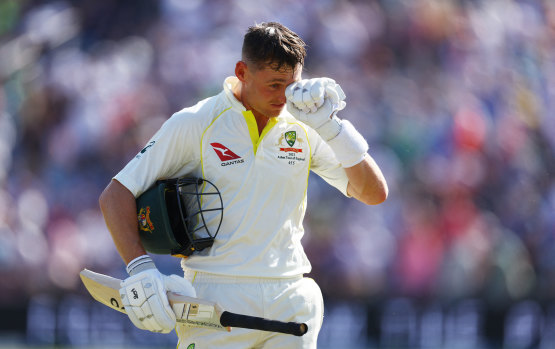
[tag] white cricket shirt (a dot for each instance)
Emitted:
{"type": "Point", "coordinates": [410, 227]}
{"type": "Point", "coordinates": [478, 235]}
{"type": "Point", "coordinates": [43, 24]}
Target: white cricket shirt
{"type": "Point", "coordinates": [263, 181]}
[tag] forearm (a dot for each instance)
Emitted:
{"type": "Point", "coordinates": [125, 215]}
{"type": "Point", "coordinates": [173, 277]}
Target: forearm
{"type": "Point", "coordinates": [367, 182]}
{"type": "Point", "coordinates": [118, 206]}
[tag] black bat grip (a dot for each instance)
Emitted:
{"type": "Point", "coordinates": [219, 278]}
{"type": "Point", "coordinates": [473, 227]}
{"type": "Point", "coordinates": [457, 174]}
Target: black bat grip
{"type": "Point", "coordinates": [258, 323]}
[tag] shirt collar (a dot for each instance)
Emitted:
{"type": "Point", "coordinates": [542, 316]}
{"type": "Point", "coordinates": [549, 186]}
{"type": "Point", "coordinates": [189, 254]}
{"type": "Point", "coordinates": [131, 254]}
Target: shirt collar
{"type": "Point", "coordinates": [229, 83]}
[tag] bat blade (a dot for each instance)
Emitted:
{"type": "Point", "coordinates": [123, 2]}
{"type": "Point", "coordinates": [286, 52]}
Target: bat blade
{"type": "Point", "coordinates": [103, 288]}
{"type": "Point", "coordinates": [189, 311]}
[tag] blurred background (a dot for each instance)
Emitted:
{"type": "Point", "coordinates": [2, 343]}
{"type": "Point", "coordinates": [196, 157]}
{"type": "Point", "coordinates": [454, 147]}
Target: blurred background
{"type": "Point", "coordinates": [455, 97]}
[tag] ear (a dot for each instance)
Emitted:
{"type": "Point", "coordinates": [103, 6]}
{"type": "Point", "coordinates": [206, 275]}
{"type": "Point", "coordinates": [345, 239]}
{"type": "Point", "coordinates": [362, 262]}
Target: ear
{"type": "Point", "coordinates": [241, 70]}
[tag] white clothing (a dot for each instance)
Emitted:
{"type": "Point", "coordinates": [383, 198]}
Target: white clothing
{"type": "Point", "coordinates": [263, 181]}
{"type": "Point", "coordinates": [287, 299]}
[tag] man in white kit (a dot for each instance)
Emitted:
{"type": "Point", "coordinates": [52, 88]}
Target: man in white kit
{"type": "Point", "coordinates": [256, 141]}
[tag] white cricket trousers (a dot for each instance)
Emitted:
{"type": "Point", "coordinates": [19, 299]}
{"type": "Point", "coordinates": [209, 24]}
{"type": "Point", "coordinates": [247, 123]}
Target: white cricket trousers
{"type": "Point", "coordinates": [296, 299]}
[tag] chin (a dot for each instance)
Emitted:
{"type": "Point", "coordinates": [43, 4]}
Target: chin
{"type": "Point", "coordinates": [275, 111]}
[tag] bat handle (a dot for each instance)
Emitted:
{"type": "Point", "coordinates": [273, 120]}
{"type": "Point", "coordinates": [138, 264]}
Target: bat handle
{"type": "Point", "coordinates": [258, 323]}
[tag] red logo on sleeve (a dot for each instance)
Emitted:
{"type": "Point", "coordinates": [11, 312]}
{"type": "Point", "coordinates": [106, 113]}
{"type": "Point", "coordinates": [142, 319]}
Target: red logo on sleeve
{"type": "Point", "coordinates": [223, 152]}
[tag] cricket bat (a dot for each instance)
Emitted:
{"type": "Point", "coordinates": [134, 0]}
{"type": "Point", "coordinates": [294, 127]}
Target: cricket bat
{"type": "Point", "coordinates": [191, 311]}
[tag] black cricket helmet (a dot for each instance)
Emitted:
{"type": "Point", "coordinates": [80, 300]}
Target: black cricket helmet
{"type": "Point", "coordinates": [179, 216]}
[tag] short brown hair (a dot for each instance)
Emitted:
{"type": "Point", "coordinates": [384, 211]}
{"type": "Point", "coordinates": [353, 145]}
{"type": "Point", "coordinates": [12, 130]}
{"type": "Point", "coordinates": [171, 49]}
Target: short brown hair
{"type": "Point", "coordinates": [272, 43]}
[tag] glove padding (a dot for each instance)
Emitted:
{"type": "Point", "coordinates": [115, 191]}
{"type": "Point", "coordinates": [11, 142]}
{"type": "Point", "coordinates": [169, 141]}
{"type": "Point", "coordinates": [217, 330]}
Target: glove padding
{"type": "Point", "coordinates": [316, 102]}
{"type": "Point", "coordinates": [146, 303]}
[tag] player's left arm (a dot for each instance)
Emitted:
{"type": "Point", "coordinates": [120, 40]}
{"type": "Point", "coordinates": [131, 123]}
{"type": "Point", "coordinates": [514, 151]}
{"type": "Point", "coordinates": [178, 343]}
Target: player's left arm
{"type": "Point", "coordinates": [367, 182]}
{"type": "Point", "coordinates": [316, 103]}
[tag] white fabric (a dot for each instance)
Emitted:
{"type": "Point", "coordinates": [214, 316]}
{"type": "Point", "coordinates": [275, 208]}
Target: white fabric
{"type": "Point", "coordinates": [139, 264]}
{"type": "Point", "coordinates": [349, 146]}
{"type": "Point", "coordinates": [315, 102]}
{"type": "Point", "coordinates": [263, 181]}
{"type": "Point", "coordinates": [293, 299]}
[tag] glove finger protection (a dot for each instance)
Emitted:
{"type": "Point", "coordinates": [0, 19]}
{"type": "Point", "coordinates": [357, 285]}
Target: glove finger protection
{"type": "Point", "coordinates": [336, 95]}
{"type": "Point", "coordinates": [297, 98]}
{"type": "Point", "coordinates": [326, 95]}
{"type": "Point", "coordinates": [315, 94]}
{"type": "Point", "coordinates": [308, 102]}
{"type": "Point", "coordinates": [177, 284]}
{"type": "Point", "coordinates": [296, 94]}
{"type": "Point", "coordinates": [290, 90]}
{"type": "Point", "coordinates": [306, 93]}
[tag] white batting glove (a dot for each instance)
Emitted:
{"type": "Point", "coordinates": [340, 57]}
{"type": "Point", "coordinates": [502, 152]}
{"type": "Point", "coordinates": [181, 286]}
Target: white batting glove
{"type": "Point", "coordinates": [316, 103]}
{"type": "Point", "coordinates": [144, 295]}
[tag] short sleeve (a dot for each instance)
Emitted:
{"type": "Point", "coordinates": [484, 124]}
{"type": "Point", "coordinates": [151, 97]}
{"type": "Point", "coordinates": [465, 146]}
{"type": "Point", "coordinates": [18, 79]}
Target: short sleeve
{"type": "Point", "coordinates": [172, 151]}
{"type": "Point", "coordinates": [325, 165]}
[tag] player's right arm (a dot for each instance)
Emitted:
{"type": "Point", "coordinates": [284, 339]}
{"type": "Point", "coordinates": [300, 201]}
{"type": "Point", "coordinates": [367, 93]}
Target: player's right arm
{"type": "Point", "coordinates": [118, 206]}
{"type": "Point", "coordinates": [143, 293]}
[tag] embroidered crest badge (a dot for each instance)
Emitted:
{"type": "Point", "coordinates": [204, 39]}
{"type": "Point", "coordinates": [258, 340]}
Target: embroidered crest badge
{"type": "Point", "coordinates": [145, 224]}
{"type": "Point", "coordinates": [290, 137]}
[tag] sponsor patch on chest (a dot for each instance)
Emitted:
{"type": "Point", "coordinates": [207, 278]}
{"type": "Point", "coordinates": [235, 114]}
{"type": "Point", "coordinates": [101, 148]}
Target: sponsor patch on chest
{"type": "Point", "coordinates": [227, 157]}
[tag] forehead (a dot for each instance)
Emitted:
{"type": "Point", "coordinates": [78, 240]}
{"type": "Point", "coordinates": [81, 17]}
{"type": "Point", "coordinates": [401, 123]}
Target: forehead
{"type": "Point", "coordinates": [284, 73]}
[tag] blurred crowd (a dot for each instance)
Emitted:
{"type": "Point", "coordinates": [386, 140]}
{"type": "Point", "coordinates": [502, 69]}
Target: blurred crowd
{"type": "Point", "coordinates": [455, 97]}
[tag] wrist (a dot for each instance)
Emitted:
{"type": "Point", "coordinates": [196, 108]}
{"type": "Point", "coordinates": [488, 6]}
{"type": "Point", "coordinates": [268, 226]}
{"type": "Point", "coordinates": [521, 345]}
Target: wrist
{"type": "Point", "coordinates": [349, 145]}
{"type": "Point", "coordinates": [140, 264]}
{"type": "Point", "coordinates": [330, 129]}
